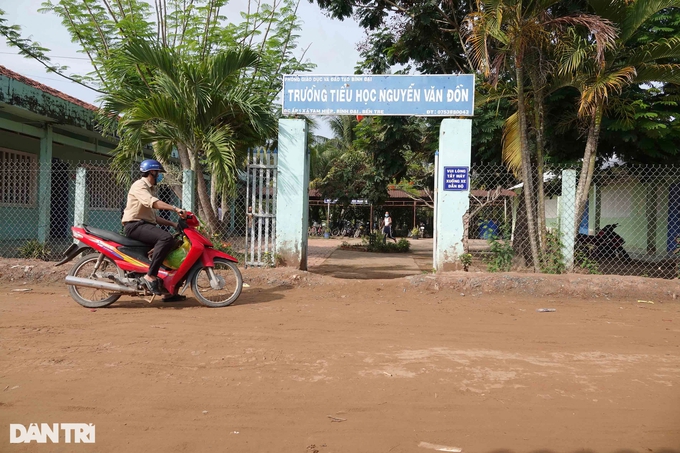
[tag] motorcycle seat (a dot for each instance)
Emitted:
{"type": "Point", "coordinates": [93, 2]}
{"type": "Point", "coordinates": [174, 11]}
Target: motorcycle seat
{"type": "Point", "coordinates": [115, 237]}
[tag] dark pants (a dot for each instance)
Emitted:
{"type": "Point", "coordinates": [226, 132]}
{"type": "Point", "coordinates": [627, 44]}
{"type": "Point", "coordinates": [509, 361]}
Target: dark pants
{"type": "Point", "coordinates": [387, 231]}
{"type": "Point", "coordinates": [161, 240]}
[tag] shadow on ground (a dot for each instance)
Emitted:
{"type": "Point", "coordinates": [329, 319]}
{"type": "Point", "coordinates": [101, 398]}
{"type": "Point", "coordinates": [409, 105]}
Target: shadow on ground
{"type": "Point", "coordinates": [352, 264]}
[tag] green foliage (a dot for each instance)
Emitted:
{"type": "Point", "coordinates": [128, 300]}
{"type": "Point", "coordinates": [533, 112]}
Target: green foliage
{"type": "Point", "coordinates": [586, 264]}
{"type": "Point", "coordinates": [34, 249]}
{"type": "Point", "coordinates": [181, 75]}
{"type": "Point", "coordinates": [228, 248]}
{"type": "Point", "coordinates": [401, 246]}
{"type": "Point", "coordinates": [501, 255]}
{"type": "Point", "coordinates": [466, 261]}
{"type": "Point", "coordinates": [268, 260]}
{"type": "Point", "coordinates": [642, 125]}
{"type": "Point", "coordinates": [374, 243]}
{"type": "Point", "coordinates": [30, 48]}
{"type": "Point", "coordinates": [552, 261]}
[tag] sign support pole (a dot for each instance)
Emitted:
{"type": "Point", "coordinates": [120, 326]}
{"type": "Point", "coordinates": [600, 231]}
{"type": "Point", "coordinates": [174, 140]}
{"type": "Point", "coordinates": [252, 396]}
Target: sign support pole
{"type": "Point", "coordinates": [452, 192]}
{"type": "Point", "coordinates": [292, 193]}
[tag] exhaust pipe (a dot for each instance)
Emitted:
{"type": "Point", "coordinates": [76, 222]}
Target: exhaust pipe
{"type": "Point", "coordinates": [77, 281]}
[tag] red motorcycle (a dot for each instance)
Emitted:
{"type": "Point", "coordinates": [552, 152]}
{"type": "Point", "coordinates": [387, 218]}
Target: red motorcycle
{"type": "Point", "coordinates": [118, 263]}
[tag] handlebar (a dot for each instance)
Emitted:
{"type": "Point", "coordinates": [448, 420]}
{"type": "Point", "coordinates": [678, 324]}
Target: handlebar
{"type": "Point", "coordinates": [189, 220]}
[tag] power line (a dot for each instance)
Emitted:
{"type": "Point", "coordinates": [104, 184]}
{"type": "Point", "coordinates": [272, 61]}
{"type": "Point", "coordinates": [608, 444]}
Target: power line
{"type": "Point", "coordinates": [53, 56]}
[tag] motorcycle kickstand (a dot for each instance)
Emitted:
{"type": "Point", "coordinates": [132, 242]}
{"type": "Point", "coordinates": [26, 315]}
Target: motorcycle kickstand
{"type": "Point", "coordinates": [151, 299]}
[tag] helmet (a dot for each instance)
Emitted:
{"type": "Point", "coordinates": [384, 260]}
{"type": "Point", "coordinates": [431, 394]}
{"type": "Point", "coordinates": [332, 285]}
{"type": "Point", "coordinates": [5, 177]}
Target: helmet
{"type": "Point", "coordinates": [150, 165]}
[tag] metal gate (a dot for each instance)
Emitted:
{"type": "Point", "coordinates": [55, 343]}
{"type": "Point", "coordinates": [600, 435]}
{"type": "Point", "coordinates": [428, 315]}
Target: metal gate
{"type": "Point", "coordinates": [261, 210]}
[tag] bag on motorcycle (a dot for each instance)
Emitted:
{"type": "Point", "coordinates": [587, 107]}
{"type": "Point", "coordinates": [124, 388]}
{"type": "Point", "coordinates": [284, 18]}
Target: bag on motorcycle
{"type": "Point", "coordinates": [175, 258]}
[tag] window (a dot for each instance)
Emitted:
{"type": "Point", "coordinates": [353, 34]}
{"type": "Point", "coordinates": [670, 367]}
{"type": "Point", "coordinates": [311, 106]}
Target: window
{"type": "Point", "coordinates": [104, 190]}
{"type": "Point", "coordinates": [18, 178]}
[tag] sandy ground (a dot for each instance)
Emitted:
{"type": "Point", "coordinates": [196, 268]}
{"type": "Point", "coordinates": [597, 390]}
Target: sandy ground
{"type": "Point", "coordinates": [306, 363]}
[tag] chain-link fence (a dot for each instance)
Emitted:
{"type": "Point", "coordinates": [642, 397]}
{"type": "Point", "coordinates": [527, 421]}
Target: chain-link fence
{"type": "Point", "coordinates": [629, 223]}
{"type": "Point", "coordinates": [38, 205]}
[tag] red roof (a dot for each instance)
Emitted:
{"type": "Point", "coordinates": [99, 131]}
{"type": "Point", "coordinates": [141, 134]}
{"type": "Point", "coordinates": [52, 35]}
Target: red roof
{"type": "Point", "coordinates": [45, 89]}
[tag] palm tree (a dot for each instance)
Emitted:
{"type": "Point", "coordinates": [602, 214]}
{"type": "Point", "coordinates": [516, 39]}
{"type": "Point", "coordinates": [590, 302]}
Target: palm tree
{"type": "Point", "coordinates": [631, 60]}
{"type": "Point", "coordinates": [510, 39]}
{"type": "Point", "coordinates": [194, 105]}
{"type": "Point", "coordinates": [343, 131]}
{"type": "Point", "coordinates": [325, 151]}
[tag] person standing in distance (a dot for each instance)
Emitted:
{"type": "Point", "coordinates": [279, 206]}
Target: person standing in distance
{"type": "Point", "coordinates": [140, 221]}
{"type": "Point", "coordinates": [387, 229]}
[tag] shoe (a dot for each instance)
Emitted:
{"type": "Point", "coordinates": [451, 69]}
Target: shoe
{"type": "Point", "coordinates": [175, 298]}
{"type": "Point", "coordinates": [152, 286]}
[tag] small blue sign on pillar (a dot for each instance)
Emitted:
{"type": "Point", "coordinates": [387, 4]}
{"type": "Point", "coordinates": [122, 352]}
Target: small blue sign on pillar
{"type": "Point", "coordinates": [456, 178]}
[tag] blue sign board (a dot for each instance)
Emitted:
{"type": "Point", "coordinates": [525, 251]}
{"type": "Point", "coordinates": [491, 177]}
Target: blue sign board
{"type": "Point", "coordinates": [456, 178]}
{"type": "Point", "coordinates": [379, 95]}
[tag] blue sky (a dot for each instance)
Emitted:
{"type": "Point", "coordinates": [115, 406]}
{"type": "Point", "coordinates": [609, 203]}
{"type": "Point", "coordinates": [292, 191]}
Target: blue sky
{"type": "Point", "coordinates": [332, 44]}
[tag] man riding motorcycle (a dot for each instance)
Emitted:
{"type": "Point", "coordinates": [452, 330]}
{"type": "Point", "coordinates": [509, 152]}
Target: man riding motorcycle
{"type": "Point", "coordinates": [141, 223]}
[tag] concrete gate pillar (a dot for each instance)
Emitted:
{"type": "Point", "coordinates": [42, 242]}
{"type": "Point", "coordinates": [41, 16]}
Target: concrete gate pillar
{"type": "Point", "coordinates": [452, 192]}
{"type": "Point", "coordinates": [292, 193]}
{"type": "Point", "coordinates": [45, 185]}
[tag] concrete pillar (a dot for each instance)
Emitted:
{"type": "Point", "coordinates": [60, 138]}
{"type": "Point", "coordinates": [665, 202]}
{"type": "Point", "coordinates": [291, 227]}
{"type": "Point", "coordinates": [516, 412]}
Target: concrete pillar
{"type": "Point", "coordinates": [568, 217]}
{"type": "Point", "coordinates": [452, 192]}
{"type": "Point", "coordinates": [82, 201]}
{"type": "Point", "coordinates": [292, 193]}
{"type": "Point", "coordinates": [651, 202]}
{"type": "Point", "coordinates": [45, 184]}
{"type": "Point", "coordinates": [189, 191]}
{"type": "Point", "coordinates": [592, 208]}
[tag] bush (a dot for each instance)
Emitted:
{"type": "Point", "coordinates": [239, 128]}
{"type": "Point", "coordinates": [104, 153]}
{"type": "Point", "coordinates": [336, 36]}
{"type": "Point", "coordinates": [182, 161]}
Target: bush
{"type": "Point", "coordinates": [466, 260]}
{"type": "Point", "coordinates": [502, 254]}
{"type": "Point", "coordinates": [553, 260]}
{"type": "Point", "coordinates": [227, 248]}
{"type": "Point", "coordinates": [36, 250]}
{"type": "Point", "coordinates": [402, 246]}
{"type": "Point", "coordinates": [583, 262]}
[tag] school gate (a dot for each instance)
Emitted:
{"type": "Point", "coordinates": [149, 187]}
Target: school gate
{"type": "Point", "coordinates": [376, 95]}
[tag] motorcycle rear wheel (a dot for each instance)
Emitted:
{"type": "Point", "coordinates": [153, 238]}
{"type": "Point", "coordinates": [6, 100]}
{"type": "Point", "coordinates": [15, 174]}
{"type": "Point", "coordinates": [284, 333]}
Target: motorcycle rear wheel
{"type": "Point", "coordinates": [94, 297]}
{"type": "Point", "coordinates": [214, 298]}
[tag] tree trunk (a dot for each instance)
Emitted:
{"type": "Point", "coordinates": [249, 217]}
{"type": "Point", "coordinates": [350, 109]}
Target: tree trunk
{"type": "Point", "coordinates": [184, 158]}
{"type": "Point", "coordinates": [527, 176]}
{"type": "Point", "coordinates": [209, 215]}
{"type": "Point", "coordinates": [520, 242]}
{"type": "Point", "coordinates": [213, 194]}
{"type": "Point", "coordinates": [588, 166]}
{"type": "Point", "coordinates": [539, 118]}
{"type": "Point", "coordinates": [226, 210]}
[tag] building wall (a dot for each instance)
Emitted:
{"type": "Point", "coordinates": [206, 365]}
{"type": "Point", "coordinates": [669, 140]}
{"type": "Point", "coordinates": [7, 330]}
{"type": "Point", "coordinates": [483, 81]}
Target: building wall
{"type": "Point", "coordinates": [625, 204]}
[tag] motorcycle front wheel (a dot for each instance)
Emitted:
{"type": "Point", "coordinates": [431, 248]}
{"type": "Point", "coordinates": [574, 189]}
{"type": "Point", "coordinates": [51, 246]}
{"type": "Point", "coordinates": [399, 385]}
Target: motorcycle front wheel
{"type": "Point", "coordinates": [229, 282]}
{"type": "Point", "coordinates": [85, 268]}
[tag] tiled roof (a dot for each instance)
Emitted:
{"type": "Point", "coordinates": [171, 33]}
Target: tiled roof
{"type": "Point", "coordinates": [45, 89]}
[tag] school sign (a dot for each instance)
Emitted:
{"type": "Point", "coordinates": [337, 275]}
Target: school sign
{"type": "Point", "coordinates": [379, 95]}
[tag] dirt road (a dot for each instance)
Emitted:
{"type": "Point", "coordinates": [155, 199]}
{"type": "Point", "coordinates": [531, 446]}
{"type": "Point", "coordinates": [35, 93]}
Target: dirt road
{"type": "Point", "coordinates": [332, 365]}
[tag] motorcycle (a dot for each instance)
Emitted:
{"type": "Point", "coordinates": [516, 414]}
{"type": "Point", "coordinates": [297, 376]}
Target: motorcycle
{"type": "Point", "coordinates": [360, 230]}
{"type": "Point", "coordinates": [605, 244]}
{"type": "Point", "coordinates": [117, 263]}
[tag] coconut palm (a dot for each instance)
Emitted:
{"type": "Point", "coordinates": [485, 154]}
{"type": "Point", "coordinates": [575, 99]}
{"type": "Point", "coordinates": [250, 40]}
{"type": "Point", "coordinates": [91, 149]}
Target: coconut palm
{"type": "Point", "coordinates": [194, 105]}
{"type": "Point", "coordinates": [631, 61]}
